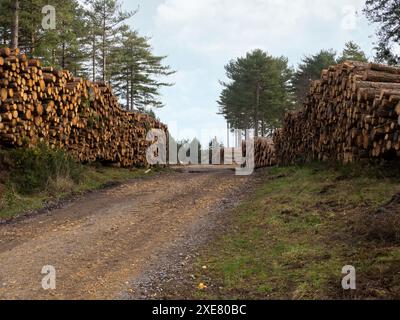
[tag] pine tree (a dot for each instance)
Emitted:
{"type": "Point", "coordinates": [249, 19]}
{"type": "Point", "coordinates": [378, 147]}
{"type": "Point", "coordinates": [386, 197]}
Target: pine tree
{"type": "Point", "coordinates": [107, 20]}
{"type": "Point", "coordinates": [386, 14]}
{"type": "Point", "coordinates": [135, 72]}
{"type": "Point", "coordinates": [5, 22]}
{"type": "Point", "coordinates": [86, 37]}
{"type": "Point", "coordinates": [69, 36]}
{"type": "Point", "coordinates": [258, 92]}
{"type": "Point", "coordinates": [353, 52]}
{"type": "Point", "coordinates": [15, 24]}
{"type": "Point", "coordinates": [310, 69]}
{"type": "Point", "coordinates": [23, 28]}
{"type": "Point", "coordinates": [91, 43]}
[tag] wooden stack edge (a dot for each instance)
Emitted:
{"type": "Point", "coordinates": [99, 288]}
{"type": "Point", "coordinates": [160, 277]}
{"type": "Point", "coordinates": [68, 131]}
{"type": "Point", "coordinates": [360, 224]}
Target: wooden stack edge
{"type": "Point", "coordinates": [264, 152]}
{"type": "Point", "coordinates": [45, 105]}
{"type": "Point", "coordinates": [350, 114]}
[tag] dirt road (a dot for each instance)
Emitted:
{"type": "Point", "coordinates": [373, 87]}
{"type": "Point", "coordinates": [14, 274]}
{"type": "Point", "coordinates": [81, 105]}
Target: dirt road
{"type": "Point", "coordinates": [102, 243]}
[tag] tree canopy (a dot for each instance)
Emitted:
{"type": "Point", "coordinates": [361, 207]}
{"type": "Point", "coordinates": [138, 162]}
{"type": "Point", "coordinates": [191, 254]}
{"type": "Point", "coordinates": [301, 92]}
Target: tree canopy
{"type": "Point", "coordinates": [309, 70]}
{"type": "Point", "coordinates": [386, 14]}
{"type": "Point", "coordinates": [91, 39]}
{"type": "Point", "coordinates": [311, 66]}
{"type": "Point", "coordinates": [258, 92]}
{"type": "Point", "coordinates": [135, 71]}
{"type": "Point", "coordinates": [353, 52]}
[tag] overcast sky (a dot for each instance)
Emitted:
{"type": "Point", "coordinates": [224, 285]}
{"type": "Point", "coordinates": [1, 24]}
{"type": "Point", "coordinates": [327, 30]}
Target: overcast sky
{"type": "Point", "coordinates": [201, 36]}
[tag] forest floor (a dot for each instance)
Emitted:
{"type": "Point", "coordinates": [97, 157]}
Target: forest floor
{"type": "Point", "coordinates": [291, 238]}
{"type": "Point", "coordinates": [208, 234]}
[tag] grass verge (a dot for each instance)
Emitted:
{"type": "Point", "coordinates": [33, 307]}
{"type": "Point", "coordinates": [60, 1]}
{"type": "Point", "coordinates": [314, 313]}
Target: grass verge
{"type": "Point", "coordinates": [31, 178]}
{"type": "Point", "coordinates": [292, 239]}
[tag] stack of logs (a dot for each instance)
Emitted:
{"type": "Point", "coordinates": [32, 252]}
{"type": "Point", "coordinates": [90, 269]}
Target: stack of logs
{"type": "Point", "coordinates": [42, 104]}
{"type": "Point", "coordinates": [351, 113]}
{"type": "Point", "coordinates": [264, 153]}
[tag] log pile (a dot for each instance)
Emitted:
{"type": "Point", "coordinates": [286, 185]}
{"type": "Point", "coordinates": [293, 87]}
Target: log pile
{"type": "Point", "coordinates": [264, 152]}
{"type": "Point", "coordinates": [42, 104]}
{"type": "Point", "coordinates": [351, 113]}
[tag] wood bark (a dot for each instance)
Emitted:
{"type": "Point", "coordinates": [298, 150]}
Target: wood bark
{"type": "Point", "coordinates": [43, 104]}
{"type": "Point", "coordinates": [15, 24]}
{"type": "Point", "coordinates": [350, 114]}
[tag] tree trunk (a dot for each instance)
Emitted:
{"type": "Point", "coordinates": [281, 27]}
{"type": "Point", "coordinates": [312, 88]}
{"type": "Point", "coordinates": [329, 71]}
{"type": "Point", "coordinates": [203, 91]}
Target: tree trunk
{"type": "Point", "coordinates": [131, 81]}
{"type": "Point", "coordinates": [63, 56]}
{"type": "Point", "coordinates": [15, 25]}
{"type": "Point", "coordinates": [227, 133]}
{"type": "Point", "coordinates": [104, 44]}
{"type": "Point", "coordinates": [257, 107]}
{"type": "Point", "coordinates": [33, 42]}
{"type": "Point", "coordinates": [93, 56]}
{"type": "Point", "coordinates": [262, 128]}
{"type": "Point", "coordinates": [4, 37]}
{"type": "Point", "coordinates": [127, 93]}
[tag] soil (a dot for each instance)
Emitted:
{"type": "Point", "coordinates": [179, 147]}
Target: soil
{"type": "Point", "coordinates": [118, 243]}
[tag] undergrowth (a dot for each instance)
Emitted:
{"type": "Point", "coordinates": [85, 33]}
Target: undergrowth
{"type": "Point", "coordinates": [30, 178]}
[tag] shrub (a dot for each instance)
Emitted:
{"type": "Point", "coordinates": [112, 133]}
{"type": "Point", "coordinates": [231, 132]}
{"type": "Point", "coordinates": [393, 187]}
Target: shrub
{"type": "Point", "coordinates": [37, 169]}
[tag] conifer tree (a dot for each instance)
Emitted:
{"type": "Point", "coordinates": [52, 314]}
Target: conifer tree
{"type": "Point", "coordinates": [258, 93]}
{"type": "Point", "coordinates": [90, 39]}
{"type": "Point", "coordinates": [386, 14]}
{"type": "Point", "coordinates": [107, 20]}
{"type": "Point", "coordinates": [309, 70]}
{"type": "Point", "coordinates": [136, 72]}
{"type": "Point", "coordinates": [353, 52]}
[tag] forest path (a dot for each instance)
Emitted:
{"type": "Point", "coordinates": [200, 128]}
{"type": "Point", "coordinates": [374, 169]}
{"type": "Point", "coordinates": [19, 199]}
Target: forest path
{"type": "Point", "coordinates": [101, 243]}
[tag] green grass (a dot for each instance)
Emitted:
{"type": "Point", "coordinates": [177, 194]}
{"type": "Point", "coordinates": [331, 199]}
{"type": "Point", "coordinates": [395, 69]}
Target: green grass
{"type": "Point", "coordinates": [31, 178]}
{"type": "Point", "coordinates": [93, 177]}
{"type": "Point", "coordinates": [300, 228]}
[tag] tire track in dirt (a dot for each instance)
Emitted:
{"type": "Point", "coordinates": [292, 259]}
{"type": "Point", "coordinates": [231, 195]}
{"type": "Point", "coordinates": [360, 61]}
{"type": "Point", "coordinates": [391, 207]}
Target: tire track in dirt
{"type": "Point", "coordinates": [104, 241]}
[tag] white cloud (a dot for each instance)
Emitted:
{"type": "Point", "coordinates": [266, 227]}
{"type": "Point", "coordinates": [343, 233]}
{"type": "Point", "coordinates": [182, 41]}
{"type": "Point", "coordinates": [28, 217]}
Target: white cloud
{"type": "Point", "coordinates": [217, 26]}
{"type": "Point", "coordinates": [201, 36]}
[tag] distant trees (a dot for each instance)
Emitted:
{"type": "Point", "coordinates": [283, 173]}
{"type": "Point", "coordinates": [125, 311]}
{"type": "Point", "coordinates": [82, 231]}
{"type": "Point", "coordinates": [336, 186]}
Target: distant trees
{"type": "Point", "coordinates": [61, 46]}
{"type": "Point", "coordinates": [14, 24]}
{"type": "Point", "coordinates": [91, 39]}
{"type": "Point", "coordinates": [68, 39]}
{"type": "Point", "coordinates": [309, 70]}
{"type": "Point", "coordinates": [106, 20]}
{"type": "Point", "coordinates": [352, 51]}
{"type": "Point", "coordinates": [58, 46]}
{"type": "Point", "coordinates": [386, 14]}
{"type": "Point", "coordinates": [135, 70]}
{"type": "Point", "coordinates": [258, 93]}
{"type": "Point", "coordinates": [311, 66]}
{"type": "Point", "coordinates": [261, 88]}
